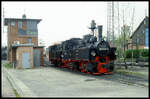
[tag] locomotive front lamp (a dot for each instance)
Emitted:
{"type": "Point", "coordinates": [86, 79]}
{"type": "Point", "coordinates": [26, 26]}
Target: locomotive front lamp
{"type": "Point", "coordinates": [62, 55]}
{"type": "Point", "coordinates": [93, 53]}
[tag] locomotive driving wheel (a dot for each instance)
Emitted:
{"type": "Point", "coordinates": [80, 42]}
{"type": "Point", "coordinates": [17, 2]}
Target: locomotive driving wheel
{"type": "Point", "coordinates": [91, 67]}
{"type": "Point", "coordinates": [75, 66]}
{"type": "Point", "coordinates": [55, 62]}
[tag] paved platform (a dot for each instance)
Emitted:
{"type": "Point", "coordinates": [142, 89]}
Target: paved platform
{"type": "Point", "coordinates": [7, 90]}
{"type": "Point", "coordinates": [56, 82]}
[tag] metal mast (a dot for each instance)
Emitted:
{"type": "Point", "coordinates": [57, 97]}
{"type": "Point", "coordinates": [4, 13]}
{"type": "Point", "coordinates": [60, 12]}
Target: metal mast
{"type": "Point", "coordinates": [110, 22]}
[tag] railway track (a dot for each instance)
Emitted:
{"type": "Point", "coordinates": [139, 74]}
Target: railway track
{"type": "Point", "coordinates": [141, 64]}
{"type": "Point", "coordinates": [117, 77]}
{"type": "Point", "coordinates": [128, 79]}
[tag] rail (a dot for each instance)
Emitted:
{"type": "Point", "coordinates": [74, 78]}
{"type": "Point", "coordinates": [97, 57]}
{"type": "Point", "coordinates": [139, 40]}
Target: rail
{"type": "Point", "coordinates": [140, 64]}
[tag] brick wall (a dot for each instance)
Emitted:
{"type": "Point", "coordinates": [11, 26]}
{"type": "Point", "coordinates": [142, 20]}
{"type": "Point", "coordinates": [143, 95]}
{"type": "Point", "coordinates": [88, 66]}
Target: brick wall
{"type": "Point", "coordinates": [13, 35]}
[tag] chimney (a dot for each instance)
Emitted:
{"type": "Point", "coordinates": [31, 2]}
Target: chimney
{"type": "Point", "coordinates": [100, 32]}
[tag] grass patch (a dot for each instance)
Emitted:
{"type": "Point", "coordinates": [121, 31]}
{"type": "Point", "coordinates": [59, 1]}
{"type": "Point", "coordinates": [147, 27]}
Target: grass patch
{"type": "Point", "coordinates": [130, 83]}
{"type": "Point", "coordinates": [127, 60]}
{"type": "Point", "coordinates": [123, 71]}
{"type": "Point", "coordinates": [14, 90]}
{"type": "Point", "coordinates": [8, 65]}
{"type": "Point", "coordinates": [16, 93]}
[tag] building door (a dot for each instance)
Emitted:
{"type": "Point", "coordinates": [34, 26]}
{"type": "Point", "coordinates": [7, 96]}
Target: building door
{"type": "Point", "coordinates": [36, 57]}
{"type": "Point", "coordinates": [26, 60]}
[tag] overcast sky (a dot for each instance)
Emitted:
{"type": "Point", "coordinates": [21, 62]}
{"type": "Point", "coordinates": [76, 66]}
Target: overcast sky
{"type": "Point", "coordinates": [64, 20]}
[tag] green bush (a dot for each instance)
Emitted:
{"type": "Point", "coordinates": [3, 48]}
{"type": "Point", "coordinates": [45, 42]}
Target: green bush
{"type": "Point", "coordinates": [137, 53]}
{"type": "Point", "coordinates": [145, 53]}
{"type": "Point", "coordinates": [128, 53]}
{"type": "Point", "coordinates": [8, 65]}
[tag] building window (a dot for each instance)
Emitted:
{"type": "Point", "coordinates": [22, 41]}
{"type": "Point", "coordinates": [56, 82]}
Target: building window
{"type": "Point", "coordinates": [144, 21]}
{"type": "Point", "coordinates": [30, 30]}
{"type": "Point", "coordinates": [32, 27]}
{"type": "Point", "coordinates": [12, 23]}
{"type": "Point", "coordinates": [29, 40]}
{"type": "Point", "coordinates": [20, 24]}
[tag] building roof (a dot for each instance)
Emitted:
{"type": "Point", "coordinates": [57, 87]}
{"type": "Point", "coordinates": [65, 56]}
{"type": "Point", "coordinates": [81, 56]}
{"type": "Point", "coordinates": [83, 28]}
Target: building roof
{"type": "Point", "coordinates": [142, 23]}
{"type": "Point", "coordinates": [18, 45]}
{"type": "Point", "coordinates": [6, 20]}
{"type": "Point", "coordinates": [26, 45]}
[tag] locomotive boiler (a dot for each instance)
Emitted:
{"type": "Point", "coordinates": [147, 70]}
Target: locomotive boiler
{"type": "Point", "coordinates": [89, 54]}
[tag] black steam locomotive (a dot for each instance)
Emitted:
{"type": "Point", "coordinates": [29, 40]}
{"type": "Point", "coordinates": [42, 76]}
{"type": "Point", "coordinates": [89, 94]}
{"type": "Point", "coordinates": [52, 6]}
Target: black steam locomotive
{"type": "Point", "coordinates": [90, 54]}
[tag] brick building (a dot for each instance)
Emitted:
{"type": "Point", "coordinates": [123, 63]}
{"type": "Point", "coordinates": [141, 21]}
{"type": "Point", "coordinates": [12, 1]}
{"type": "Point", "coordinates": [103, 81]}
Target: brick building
{"type": "Point", "coordinates": [140, 37]}
{"type": "Point", "coordinates": [22, 45]}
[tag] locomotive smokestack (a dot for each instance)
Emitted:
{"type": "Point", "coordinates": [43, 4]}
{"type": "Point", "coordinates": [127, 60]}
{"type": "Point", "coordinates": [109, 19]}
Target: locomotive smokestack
{"type": "Point", "coordinates": [100, 32]}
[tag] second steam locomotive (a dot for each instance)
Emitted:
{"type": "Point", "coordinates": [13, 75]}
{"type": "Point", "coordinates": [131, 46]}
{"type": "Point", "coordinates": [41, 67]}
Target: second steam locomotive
{"type": "Point", "coordinates": [91, 54]}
